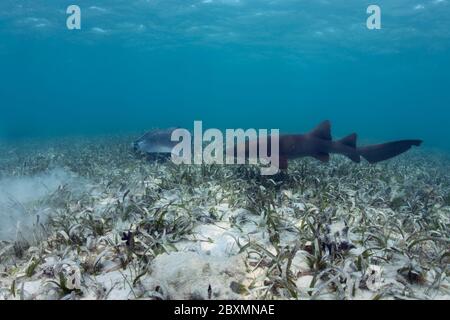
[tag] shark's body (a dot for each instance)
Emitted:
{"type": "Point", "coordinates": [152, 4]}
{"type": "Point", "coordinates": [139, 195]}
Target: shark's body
{"type": "Point", "coordinates": [319, 144]}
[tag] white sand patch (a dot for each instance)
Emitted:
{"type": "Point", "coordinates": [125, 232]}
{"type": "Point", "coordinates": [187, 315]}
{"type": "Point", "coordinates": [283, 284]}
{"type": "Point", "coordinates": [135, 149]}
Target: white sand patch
{"type": "Point", "coordinates": [189, 275]}
{"type": "Point", "coordinates": [216, 240]}
{"type": "Point", "coordinates": [304, 282]}
{"type": "Point", "coordinates": [117, 285]}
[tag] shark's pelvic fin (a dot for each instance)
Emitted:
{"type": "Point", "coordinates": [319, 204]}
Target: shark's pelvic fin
{"type": "Point", "coordinates": [283, 165]}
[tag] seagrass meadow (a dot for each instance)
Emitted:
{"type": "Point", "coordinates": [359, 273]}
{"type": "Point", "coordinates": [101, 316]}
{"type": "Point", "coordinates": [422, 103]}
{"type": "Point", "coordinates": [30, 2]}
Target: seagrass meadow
{"type": "Point", "coordinates": [104, 223]}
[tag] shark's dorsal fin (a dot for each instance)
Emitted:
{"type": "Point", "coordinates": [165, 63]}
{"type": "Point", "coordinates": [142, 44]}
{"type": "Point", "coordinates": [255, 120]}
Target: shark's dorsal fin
{"type": "Point", "coordinates": [322, 131]}
{"type": "Point", "coordinates": [349, 141]}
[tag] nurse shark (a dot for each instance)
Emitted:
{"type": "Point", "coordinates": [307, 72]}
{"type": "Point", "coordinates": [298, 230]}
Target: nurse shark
{"type": "Point", "coordinates": [318, 144]}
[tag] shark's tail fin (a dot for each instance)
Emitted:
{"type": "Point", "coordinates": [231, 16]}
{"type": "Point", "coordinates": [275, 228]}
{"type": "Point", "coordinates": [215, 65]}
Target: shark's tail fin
{"type": "Point", "coordinates": [385, 151]}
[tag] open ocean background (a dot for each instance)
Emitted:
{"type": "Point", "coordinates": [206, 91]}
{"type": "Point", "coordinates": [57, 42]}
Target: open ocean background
{"type": "Point", "coordinates": [282, 64]}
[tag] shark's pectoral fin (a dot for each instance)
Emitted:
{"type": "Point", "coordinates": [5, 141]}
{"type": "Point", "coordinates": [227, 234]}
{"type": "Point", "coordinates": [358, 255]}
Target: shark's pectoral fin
{"type": "Point", "coordinates": [283, 165]}
{"type": "Point", "coordinates": [322, 156]}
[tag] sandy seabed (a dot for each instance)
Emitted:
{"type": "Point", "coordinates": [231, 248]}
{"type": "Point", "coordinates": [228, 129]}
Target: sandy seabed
{"type": "Point", "coordinates": [89, 219]}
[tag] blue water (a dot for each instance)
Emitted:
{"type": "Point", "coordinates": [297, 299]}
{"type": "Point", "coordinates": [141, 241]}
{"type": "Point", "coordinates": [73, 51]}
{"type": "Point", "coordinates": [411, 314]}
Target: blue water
{"type": "Point", "coordinates": [282, 64]}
